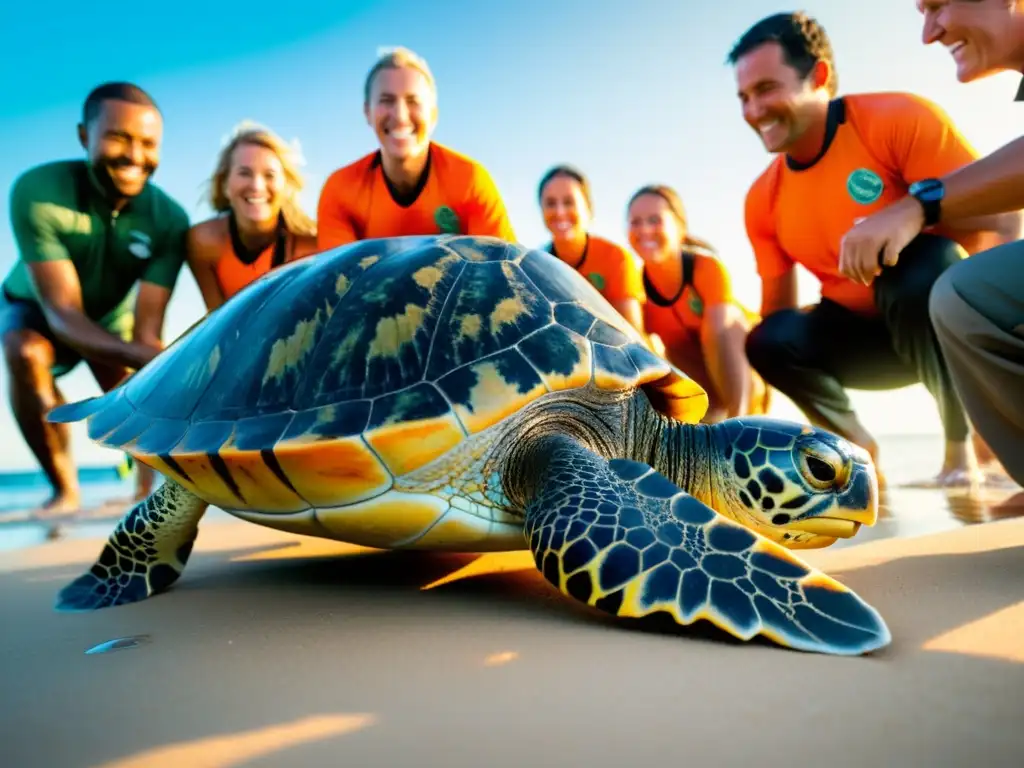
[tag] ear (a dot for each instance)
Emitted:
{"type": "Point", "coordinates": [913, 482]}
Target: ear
{"type": "Point", "coordinates": [821, 74]}
{"type": "Point", "coordinates": [366, 113]}
{"type": "Point", "coordinates": [83, 136]}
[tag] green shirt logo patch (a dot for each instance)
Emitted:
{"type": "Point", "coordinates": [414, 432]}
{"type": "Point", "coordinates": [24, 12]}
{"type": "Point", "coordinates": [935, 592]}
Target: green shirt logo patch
{"type": "Point", "coordinates": [447, 221]}
{"type": "Point", "coordinates": [597, 279]}
{"type": "Point", "coordinates": [139, 244]}
{"type": "Point", "coordinates": [695, 304]}
{"type": "Point", "coordinates": [864, 186]}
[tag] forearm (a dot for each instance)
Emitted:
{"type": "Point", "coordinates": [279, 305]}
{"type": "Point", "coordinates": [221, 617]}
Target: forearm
{"type": "Point", "coordinates": [1006, 227]}
{"type": "Point", "coordinates": [94, 342]}
{"type": "Point", "coordinates": [993, 184]}
{"type": "Point", "coordinates": [726, 362]}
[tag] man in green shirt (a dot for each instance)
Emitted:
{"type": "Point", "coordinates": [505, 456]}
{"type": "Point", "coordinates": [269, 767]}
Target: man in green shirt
{"type": "Point", "coordinates": [88, 232]}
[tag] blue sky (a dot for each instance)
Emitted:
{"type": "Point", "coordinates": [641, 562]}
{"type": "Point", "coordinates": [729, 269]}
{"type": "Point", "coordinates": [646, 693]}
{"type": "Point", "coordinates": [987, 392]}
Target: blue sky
{"type": "Point", "coordinates": [632, 92]}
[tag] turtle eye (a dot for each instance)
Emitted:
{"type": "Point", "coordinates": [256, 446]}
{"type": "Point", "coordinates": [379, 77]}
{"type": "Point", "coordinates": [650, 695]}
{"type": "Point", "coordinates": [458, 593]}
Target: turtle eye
{"type": "Point", "coordinates": [821, 469]}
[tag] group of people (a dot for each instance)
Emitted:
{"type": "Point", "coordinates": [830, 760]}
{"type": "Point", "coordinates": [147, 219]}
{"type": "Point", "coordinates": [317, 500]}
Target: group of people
{"type": "Point", "coordinates": [915, 240]}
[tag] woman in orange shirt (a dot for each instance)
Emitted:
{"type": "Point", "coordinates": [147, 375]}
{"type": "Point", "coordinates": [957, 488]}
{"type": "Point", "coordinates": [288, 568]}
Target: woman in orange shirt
{"type": "Point", "coordinates": [690, 313]}
{"type": "Point", "coordinates": [565, 203]}
{"type": "Point", "coordinates": [259, 224]}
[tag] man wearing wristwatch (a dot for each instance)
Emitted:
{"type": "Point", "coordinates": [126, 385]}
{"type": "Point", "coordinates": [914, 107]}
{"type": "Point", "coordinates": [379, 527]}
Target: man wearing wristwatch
{"type": "Point", "coordinates": [977, 307]}
{"type": "Point", "coordinates": [839, 159]}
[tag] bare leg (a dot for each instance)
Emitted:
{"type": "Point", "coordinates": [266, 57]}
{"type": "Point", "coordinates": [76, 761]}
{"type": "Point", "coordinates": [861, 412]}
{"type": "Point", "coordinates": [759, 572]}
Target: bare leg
{"type": "Point", "coordinates": [109, 377]}
{"type": "Point", "coordinates": [29, 357]}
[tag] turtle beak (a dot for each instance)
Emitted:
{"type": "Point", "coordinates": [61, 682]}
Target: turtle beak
{"type": "Point", "coordinates": [856, 504]}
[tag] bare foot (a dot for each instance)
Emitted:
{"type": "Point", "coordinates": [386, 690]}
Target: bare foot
{"type": "Point", "coordinates": [61, 505]}
{"type": "Point", "coordinates": [960, 477]}
{"type": "Point", "coordinates": [143, 481]}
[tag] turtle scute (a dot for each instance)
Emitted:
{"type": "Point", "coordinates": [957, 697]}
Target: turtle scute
{"type": "Point", "coordinates": [484, 326]}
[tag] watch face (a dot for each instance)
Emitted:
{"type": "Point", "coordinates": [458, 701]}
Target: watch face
{"type": "Point", "coordinates": [927, 189]}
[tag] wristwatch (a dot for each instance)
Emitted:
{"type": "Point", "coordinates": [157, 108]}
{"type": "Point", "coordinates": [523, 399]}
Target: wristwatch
{"type": "Point", "coordinates": [929, 193]}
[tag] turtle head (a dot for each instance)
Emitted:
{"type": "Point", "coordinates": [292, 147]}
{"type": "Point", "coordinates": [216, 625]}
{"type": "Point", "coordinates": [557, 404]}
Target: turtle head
{"type": "Point", "coordinates": [800, 486]}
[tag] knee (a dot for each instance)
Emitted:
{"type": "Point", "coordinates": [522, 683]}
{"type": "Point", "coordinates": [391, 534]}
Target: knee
{"type": "Point", "coordinates": [921, 264]}
{"type": "Point", "coordinates": [944, 302]}
{"type": "Point", "coordinates": [766, 343]}
{"type": "Point", "coordinates": [26, 353]}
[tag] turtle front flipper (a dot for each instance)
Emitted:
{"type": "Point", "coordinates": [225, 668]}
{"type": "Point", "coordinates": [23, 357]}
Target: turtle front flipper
{"type": "Point", "coordinates": [621, 537]}
{"type": "Point", "coordinates": [144, 555]}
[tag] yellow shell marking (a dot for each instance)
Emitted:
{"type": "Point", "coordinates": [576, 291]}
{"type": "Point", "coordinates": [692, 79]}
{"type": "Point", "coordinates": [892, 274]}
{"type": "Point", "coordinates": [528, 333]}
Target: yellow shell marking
{"type": "Point", "coordinates": [332, 472]}
{"type": "Point", "coordinates": [287, 352]}
{"type": "Point", "coordinates": [493, 398]}
{"type": "Point", "coordinates": [386, 521]}
{"type": "Point", "coordinates": [394, 332]}
{"type": "Point", "coordinates": [203, 480]}
{"type": "Point", "coordinates": [470, 327]}
{"type": "Point", "coordinates": [580, 374]}
{"type": "Point", "coordinates": [406, 446]}
{"type": "Point", "coordinates": [427, 277]}
{"type": "Point", "coordinates": [507, 312]}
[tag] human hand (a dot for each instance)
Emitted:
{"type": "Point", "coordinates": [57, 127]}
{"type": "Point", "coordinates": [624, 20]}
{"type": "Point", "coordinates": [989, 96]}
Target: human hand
{"type": "Point", "coordinates": [877, 240]}
{"type": "Point", "coordinates": [656, 344]}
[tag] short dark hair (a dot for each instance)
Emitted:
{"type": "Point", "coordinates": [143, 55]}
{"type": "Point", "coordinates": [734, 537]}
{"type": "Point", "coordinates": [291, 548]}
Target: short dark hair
{"type": "Point", "coordinates": [116, 91]}
{"type": "Point", "coordinates": [803, 40]}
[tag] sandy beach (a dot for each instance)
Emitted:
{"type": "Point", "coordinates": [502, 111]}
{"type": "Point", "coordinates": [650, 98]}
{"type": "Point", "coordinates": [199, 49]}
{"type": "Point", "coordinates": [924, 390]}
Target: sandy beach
{"type": "Point", "coordinates": [279, 650]}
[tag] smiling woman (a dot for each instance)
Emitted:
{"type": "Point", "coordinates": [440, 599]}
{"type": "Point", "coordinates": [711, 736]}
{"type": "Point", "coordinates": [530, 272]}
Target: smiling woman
{"type": "Point", "coordinates": [259, 224]}
{"type": "Point", "coordinates": [410, 185]}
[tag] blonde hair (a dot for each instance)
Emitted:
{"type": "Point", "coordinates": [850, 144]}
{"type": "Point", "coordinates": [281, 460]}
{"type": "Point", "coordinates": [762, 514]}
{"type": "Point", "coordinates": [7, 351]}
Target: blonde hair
{"type": "Point", "coordinates": [397, 58]}
{"type": "Point", "coordinates": [296, 221]}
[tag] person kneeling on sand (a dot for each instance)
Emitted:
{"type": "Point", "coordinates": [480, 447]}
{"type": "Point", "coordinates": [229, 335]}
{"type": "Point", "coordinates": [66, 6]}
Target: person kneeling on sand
{"type": "Point", "coordinates": [87, 232]}
{"type": "Point", "coordinates": [977, 306]}
{"type": "Point", "coordinates": [840, 159]}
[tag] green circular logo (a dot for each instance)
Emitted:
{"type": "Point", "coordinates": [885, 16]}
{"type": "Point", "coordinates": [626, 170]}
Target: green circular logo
{"type": "Point", "coordinates": [447, 220]}
{"type": "Point", "coordinates": [597, 279]}
{"type": "Point", "coordinates": [864, 186]}
{"type": "Point", "coordinates": [695, 303]}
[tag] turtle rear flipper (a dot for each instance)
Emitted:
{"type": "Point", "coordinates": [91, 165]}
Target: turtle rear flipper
{"type": "Point", "coordinates": [621, 537]}
{"type": "Point", "coordinates": [144, 555]}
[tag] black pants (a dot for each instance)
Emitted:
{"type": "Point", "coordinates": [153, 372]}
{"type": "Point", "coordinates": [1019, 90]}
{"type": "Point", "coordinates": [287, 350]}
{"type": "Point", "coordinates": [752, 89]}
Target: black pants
{"type": "Point", "coordinates": [812, 355]}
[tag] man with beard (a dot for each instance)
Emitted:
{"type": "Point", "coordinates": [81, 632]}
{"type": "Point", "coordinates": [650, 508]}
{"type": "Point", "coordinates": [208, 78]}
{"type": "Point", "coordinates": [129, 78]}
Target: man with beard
{"type": "Point", "coordinates": [838, 160]}
{"type": "Point", "coordinates": [87, 231]}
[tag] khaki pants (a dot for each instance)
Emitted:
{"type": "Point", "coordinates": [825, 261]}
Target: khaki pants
{"type": "Point", "coordinates": [977, 308]}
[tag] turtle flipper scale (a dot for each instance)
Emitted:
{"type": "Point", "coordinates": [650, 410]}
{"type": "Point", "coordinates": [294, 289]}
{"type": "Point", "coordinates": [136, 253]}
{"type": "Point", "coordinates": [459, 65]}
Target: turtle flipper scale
{"type": "Point", "coordinates": [621, 537]}
{"type": "Point", "coordinates": [145, 554]}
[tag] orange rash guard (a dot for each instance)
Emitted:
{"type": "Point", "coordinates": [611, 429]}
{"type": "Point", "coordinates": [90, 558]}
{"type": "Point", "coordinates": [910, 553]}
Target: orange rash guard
{"type": "Point", "coordinates": [882, 143]}
{"type": "Point", "coordinates": [456, 196]}
{"type": "Point", "coordinates": [216, 242]}
{"type": "Point", "coordinates": [679, 318]}
{"type": "Point", "coordinates": [610, 268]}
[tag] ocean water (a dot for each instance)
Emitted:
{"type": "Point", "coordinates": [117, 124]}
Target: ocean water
{"type": "Point", "coordinates": [24, 490]}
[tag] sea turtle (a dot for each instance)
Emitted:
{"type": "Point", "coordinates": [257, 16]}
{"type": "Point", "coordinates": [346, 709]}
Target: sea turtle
{"type": "Point", "coordinates": [462, 393]}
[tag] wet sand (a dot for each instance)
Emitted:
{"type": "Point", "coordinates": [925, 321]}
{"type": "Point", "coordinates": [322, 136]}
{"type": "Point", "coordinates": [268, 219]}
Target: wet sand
{"type": "Point", "coordinates": [279, 650]}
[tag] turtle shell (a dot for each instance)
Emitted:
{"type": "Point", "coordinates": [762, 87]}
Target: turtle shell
{"type": "Point", "coordinates": [324, 380]}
